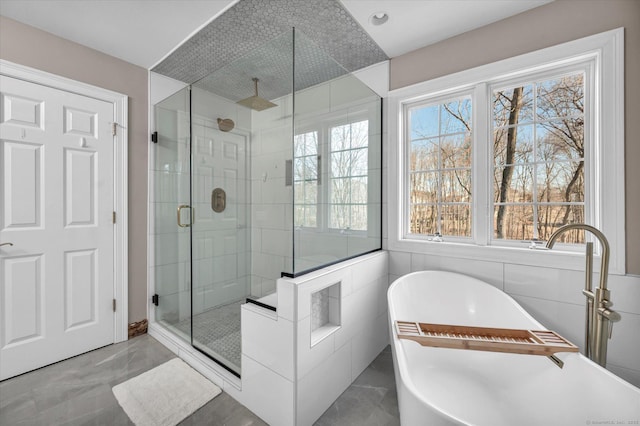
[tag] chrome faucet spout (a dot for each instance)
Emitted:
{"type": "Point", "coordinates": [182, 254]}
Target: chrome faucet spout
{"type": "Point", "coordinates": [604, 264]}
{"type": "Point", "coordinates": [599, 318]}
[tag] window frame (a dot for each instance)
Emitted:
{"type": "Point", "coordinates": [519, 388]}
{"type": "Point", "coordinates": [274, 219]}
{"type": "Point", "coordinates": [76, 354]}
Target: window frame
{"type": "Point", "coordinates": [436, 100]}
{"type": "Point", "coordinates": [603, 55]}
{"type": "Point", "coordinates": [322, 125]}
{"type": "Point", "coordinates": [591, 188]}
{"type": "Point", "coordinates": [304, 131]}
{"type": "Point", "coordinates": [330, 125]}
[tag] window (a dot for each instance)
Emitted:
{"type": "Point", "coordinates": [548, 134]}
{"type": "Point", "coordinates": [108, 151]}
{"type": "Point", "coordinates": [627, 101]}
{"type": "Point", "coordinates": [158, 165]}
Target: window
{"type": "Point", "coordinates": [537, 147]}
{"type": "Point", "coordinates": [348, 154]}
{"type": "Point", "coordinates": [506, 153]}
{"type": "Point", "coordinates": [538, 152]}
{"type": "Point", "coordinates": [346, 145]}
{"type": "Point", "coordinates": [439, 144]}
{"type": "Point", "coordinates": [305, 179]}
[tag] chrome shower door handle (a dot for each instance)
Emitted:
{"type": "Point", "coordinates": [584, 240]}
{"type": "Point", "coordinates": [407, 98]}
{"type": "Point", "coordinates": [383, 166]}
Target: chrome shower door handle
{"type": "Point", "coordinates": [185, 225]}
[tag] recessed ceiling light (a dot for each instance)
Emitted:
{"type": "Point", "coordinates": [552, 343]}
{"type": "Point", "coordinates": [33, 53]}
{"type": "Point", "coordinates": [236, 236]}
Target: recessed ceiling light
{"type": "Point", "coordinates": [379, 18]}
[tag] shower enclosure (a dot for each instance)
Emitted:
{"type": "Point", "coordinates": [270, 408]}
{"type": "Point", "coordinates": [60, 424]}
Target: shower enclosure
{"type": "Point", "coordinates": [268, 167]}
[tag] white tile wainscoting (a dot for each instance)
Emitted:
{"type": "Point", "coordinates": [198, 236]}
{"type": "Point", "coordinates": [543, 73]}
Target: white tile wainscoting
{"type": "Point", "coordinates": [552, 296]}
{"type": "Point", "coordinates": [286, 379]}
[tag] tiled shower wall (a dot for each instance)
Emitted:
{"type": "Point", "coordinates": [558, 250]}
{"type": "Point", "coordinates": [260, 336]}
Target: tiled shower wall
{"type": "Point", "coordinates": [271, 199]}
{"type": "Point", "coordinates": [272, 235]}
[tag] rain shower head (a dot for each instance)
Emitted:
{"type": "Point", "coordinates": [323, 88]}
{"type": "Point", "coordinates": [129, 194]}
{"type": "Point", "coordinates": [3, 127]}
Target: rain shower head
{"type": "Point", "coordinates": [256, 102]}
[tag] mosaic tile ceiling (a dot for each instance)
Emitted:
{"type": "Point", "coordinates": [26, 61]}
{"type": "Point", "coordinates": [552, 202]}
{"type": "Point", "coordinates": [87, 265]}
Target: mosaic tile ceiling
{"type": "Point", "coordinates": [253, 39]}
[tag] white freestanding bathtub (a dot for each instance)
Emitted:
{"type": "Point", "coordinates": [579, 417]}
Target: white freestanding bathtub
{"type": "Point", "coordinates": [439, 386]}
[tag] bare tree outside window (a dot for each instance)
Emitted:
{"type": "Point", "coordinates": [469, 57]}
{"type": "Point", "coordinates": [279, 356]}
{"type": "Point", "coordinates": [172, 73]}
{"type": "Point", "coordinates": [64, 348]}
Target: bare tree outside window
{"type": "Point", "coordinates": [348, 170]}
{"type": "Point", "coordinates": [305, 179]}
{"type": "Point", "coordinates": [440, 168]}
{"type": "Point", "coordinates": [538, 131]}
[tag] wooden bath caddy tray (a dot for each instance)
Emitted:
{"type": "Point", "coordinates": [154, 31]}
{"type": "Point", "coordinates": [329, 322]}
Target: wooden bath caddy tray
{"type": "Point", "coordinates": [531, 342]}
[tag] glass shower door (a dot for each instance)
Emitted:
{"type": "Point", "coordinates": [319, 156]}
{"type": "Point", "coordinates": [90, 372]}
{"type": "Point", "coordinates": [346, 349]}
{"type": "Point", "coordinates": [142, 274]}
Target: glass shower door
{"type": "Point", "coordinates": [201, 235]}
{"type": "Point", "coordinates": [172, 214]}
{"type": "Point", "coordinates": [220, 233]}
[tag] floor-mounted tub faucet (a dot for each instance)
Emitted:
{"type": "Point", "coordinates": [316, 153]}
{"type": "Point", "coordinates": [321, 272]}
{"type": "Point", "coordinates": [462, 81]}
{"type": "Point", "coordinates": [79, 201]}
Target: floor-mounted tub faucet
{"type": "Point", "coordinates": [599, 318]}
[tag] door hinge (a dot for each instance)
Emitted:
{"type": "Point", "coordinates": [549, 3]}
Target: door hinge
{"type": "Point", "coordinates": [154, 299]}
{"type": "Point", "coordinates": [114, 305]}
{"type": "Point", "coordinates": [154, 137]}
{"type": "Point", "coordinates": [113, 217]}
{"type": "Point", "coordinates": [114, 129]}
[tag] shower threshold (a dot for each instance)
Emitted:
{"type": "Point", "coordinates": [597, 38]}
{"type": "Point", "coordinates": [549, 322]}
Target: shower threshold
{"type": "Point", "coordinates": [216, 333]}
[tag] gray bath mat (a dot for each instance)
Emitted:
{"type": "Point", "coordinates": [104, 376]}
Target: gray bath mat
{"type": "Point", "coordinates": [165, 395]}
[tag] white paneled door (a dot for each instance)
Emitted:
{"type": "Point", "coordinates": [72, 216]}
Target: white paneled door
{"type": "Point", "coordinates": [57, 198]}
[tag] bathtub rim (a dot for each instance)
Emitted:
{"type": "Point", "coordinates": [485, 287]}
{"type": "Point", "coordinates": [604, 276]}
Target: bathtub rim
{"type": "Point", "coordinates": [401, 368]}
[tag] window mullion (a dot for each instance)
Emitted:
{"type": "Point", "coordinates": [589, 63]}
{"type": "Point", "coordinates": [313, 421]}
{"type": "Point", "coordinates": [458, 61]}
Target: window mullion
{"type": "Point", "coordinates": [482, 167]}
{"type": "Point", "coordinates": [535, 165]}
{"type": "Point", "coordinates": [439, 177]}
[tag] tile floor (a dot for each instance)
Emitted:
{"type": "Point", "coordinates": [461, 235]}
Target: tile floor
{"type": "Point", "coordinates": [78, 392]}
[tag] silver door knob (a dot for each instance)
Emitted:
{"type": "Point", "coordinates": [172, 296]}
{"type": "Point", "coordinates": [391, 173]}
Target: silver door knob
{"type": "Point", "coordinates": [6, 244]}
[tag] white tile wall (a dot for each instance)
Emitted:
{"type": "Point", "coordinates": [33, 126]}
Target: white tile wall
{"type": "Point", "coordinates": [308, 357]}
{"type": "Point", "coordinates": [268, 340]}
{"type": "Point", "coordinates": [266, 393]}
{"type": "Point", "coordinates": [363, 331]}
{"type": "Point", "coordinates": [565, 318]}
{"type": "Point", "coordinates": [368, 343]}
{"type": "Point", "coordinates": [318, 389]}
{"type": "Point", "coordinates": [286, 299]}
{"type": "Point", "coordinates": [625, 292]}
{"type": "Point", "coordinates": [277, 351]}
{"type": "Point", "coordinates": [363, 273]}
{"type": "Point", "coordinates": [624, 346]}
{"type": "Point", "coordinates": [546, 283]}
{"type": "Point", "coordinates": [359, 310]}
{"type": "Point", "coordinates": [314, 100]}
{"type": "Point", "coordinates": [399, 263]}
{"type": "Point", "coordinates": [270, 234]}
{"type": "Point", "coordinates": [490, 272]}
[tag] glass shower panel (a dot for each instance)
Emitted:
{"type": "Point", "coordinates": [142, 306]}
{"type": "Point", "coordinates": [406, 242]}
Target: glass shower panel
{"type": "Point", "coordinates": [270, 165]}
{"type": "Point", "coordinates": [241, 135]}
{"type": "Point", "coordinates": [171, 214]}
{"type": "Point", "coordinates": [337, 169]}
{"type": "Point", "coordinates": [220, 234]}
